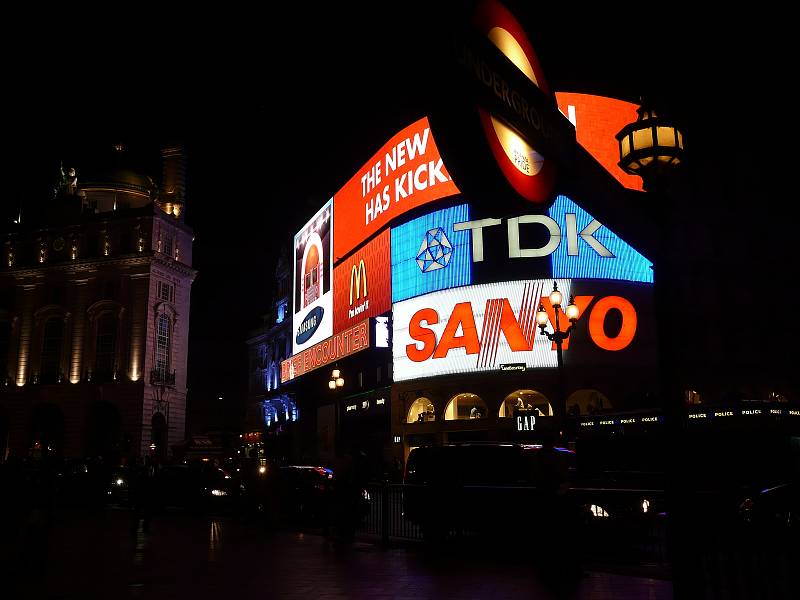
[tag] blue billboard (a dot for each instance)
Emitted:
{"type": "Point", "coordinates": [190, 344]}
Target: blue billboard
{"type": "Point", "coordinates": [585, 261]}
{"type": "Point", "coordinates": [428, 255]}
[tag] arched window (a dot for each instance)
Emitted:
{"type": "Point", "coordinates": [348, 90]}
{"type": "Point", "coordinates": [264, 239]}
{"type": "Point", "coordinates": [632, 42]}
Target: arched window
{"type": "Point", "coordinates": [52, 341]}
{"type": "Point", "coordinates": [465, 406]}
{"type": "Point", "coordinates": [526, 399]}
{"type": "Point", "coordinates": [421, 410]}
{"type": "Point", "coordinates": [105, 347]}
{"type": "Point", "coordinates": [163, 344]}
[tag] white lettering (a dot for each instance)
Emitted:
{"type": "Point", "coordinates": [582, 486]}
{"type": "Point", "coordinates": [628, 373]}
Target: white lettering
{"type": "Point", "coordinates": [477, 234]}
{"type": "Point", "coordinates": [514, 250]}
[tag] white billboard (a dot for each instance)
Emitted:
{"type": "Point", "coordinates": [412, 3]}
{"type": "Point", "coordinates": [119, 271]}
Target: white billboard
{"type": "Point", "coordinates": [313, 280]}
{"type": "Point", "coordinates": [473, 328]}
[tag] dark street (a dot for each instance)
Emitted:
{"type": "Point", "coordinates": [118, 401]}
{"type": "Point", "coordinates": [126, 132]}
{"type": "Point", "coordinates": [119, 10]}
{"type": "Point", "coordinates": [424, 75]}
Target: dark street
{"type": "Point", "coordinates": [99, 555]}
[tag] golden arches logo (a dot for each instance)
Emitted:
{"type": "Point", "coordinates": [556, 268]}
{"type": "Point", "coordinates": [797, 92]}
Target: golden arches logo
{"type": "Point", "coordinates": [358, 275]}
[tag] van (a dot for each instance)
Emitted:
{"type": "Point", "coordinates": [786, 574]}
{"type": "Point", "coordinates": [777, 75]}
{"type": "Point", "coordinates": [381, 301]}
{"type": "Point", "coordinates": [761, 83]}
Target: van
{"type": "Point", "coordinates": [483, 486]}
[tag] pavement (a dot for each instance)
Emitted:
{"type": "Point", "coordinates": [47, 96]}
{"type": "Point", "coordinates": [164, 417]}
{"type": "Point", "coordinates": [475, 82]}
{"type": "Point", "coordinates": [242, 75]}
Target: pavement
{"type": "Point", "coordinates": [107, 554]}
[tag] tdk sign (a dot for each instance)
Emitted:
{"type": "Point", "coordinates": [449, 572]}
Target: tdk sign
{"type": "Point", "coordinates": [435, 251]}
{"type": "Point", "coordinates": [429, 255]}
{"type": "Point", "coordinates": [515, 249]}
{"type": "Point", "coordinates": [309, 325]}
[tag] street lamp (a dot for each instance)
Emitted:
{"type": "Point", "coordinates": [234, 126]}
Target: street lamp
{"type": "Point", "coordinates": [572, 313]}
{"type": "Point", "coordinates": [652, 148]}
{"type": "Point", "coordinates": [336, 381]}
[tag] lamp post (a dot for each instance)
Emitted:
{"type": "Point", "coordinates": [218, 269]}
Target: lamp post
{"type": "Point", "coordinates": [652, 148]}
{"type": "Point", "coordinates": [572, 313]}
{"type": "Point", "coordinates": [336, 383]}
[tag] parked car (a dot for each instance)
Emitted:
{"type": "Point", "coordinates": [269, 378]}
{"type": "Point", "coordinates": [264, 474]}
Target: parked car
{"type": "Point", "coordinates": [305, 493]}
{"type": "Point", "coordinates": [196, 486]}
{"type": "Point", "coordinates": [773, 510]}
{"type": "Point", "coordinates": [118, 485]}
{"type": "Point", "coordinates": [484, 486]}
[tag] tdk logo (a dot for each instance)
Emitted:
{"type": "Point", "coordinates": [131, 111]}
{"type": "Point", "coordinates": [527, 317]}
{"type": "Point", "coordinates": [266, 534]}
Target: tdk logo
{"type": "Point", "coordinates": [435, 251]}
{"type": "Point", "coordinates": [309, 325]}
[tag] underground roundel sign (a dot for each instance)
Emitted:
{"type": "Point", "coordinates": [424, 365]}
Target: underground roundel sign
{"type": "Point", "coordinates": [530, 174]}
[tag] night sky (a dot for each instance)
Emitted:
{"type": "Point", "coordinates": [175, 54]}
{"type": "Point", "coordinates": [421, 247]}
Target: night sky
{"type": "Point", "coordinates": [277, 112]}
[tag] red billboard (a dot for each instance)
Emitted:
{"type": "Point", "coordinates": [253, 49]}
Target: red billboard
{"type": "Point", "coordinates": [597, 120]}
{"type": "Point", "coordinates": [405, 173]}
{"type": "Point", "coordinates": [327, 351]}
{"type": "Point", "coordinates": [362, 284]}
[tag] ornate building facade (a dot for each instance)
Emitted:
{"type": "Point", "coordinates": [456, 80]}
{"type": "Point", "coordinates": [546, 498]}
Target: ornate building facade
{"type": "Point", "coordinates": [271, 411]}
{"type": "Point", "coordinates": [94, 316]}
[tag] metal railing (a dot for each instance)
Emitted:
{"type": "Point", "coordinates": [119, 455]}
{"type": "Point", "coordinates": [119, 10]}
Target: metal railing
{"type": "Point", "coordinates": [618, 538]}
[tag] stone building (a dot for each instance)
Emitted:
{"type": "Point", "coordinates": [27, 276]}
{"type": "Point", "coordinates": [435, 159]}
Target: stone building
{"type": "Point", "coordinates": [271, 412]}
{"type": "Point", "coordinates": [94, 315]}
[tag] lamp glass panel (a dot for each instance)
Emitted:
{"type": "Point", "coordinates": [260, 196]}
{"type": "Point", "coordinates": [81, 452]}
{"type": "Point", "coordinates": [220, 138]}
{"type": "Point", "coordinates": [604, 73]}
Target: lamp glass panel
{"type": "Point", "coordinates": [643, 138]}
{"type": "Point", "coordinates": [332, 384]}
{"type": "Point", "coordinates": [556, 297]}
{"type": "Point", "coordinates": [645, 160]}
{"type": "Point", "coordinates": [666, 136]}
{"type": "Point", "coordinates": [625, 146]}
{"type": "Point", "coordinates": [541, 318]}
{"type": "Point", "coordinates": [335, 373]}
{"type": "Point", "coordinates": [680, 140]}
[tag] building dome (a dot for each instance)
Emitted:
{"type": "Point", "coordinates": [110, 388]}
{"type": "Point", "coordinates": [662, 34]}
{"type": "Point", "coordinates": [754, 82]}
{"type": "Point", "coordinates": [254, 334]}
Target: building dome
{"type": "Point", "coordinates": [115, 185]}
{"type": "Point", "coordinates": [119, 179]}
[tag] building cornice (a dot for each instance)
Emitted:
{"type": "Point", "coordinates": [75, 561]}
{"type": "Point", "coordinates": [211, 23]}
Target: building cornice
{"type": "Point", "coordinates": [174, 265]}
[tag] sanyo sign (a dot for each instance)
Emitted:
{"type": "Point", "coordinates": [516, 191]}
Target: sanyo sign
{"type": "Point", "coordinates": [515, 249]}
{"type": "Point", "coordinates": [482, 327]}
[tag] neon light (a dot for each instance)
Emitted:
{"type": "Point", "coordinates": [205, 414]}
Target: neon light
{"type": "Point", "coordinates": [626, 264]}
{"type": "Point", "coordinates": [597, 320]}
{"type": "Point", "coordinates": [418, 265]}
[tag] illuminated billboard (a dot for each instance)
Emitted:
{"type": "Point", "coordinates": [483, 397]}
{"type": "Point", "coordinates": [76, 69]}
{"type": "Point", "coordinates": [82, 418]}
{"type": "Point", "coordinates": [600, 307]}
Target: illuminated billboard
{"type": "Point", "coordinates": [327, 351]}
{"type": "Point", "coordinates": [428, 254]}
{"type": "Point", "coordinates": [313, 267]}
{"type": "Point", "coordinates": [491, 326]}
{"type": "Point", "coordinates": [567, 242]}
{"type": "Point", "coordinates": [405, 173]}
{"type": "Point", "coordinates": [595, 252]}
{"type": "Point", "coordinates": [362, 284]}
{"type": "Point", "coordinates": [597, 120]}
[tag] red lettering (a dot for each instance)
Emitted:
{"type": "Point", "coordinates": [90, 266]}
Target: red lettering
{"type": "Point", "coordinates": [598, 317]}
{"type": "Point", "coordinates": [510, 328]}
{"type": "Point", "coordinates": [422, 334]}
{"type": "Point", "coordinates": [462, 315]}
{"type": "Point", "coordinates": [582, 302]}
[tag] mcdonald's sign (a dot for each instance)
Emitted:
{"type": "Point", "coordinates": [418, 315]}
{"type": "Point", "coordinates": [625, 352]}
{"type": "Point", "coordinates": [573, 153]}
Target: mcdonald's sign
{"type": "Point", "coordinates": [362, 284]}
{"type": "Point", "coordinates": [358, 281]}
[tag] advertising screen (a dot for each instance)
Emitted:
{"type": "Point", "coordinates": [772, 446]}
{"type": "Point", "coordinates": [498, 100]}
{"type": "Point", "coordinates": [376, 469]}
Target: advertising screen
{"type": "Point", "coordinates": [327, 351]}
{"type": "Point", "coordinates": [492, 327]}
{"type": "Point", "coordinates": [405, 173]}
{"type": "Point", "coordinates": [592, 251]}
{"type": "Point", "coordinates": [362, 284]}
{"type": "Point", "coordinates": [428, 254]}
{"type": "Point", "coordinates": [597, 120]}
{"type": "Point", "coordinates": [313, 267]}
